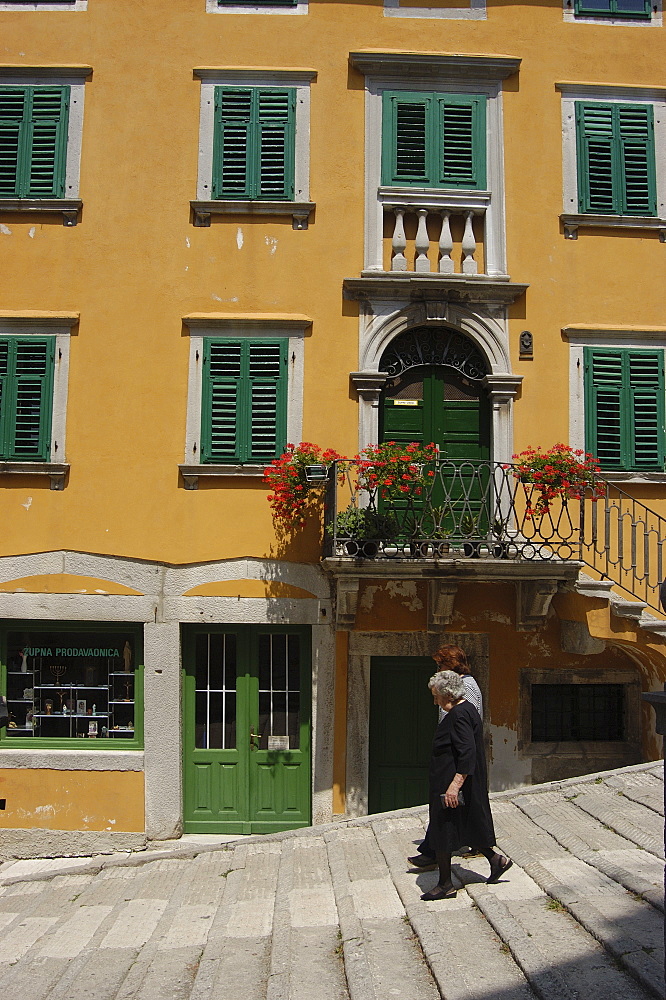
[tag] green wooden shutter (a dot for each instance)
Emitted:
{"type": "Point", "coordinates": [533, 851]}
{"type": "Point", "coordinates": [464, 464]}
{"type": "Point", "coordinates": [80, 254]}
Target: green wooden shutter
{"type": "Point", "coordinates": [274, 170]}
{"type": "Point", "coordinates": [12, 112]}
{"type": "Point", "coordinates": [624, 408]}
{"type": "Point", "coordinates": [26, 398]}
{"type": "Point", "coordinates": [232, 152]}
{"type": "Point", "coordinates": [253, 154]}
{"type": "Point", "coordinates": [636, 136]}
{"type": "Point", "coordinates": [243, 416]}
{"type": "Point", "coordinates": [222, 369]}
{"type": "Point", "coordinates": [462, 142]}
{"type": "Point", "coordinates": [407, 125]}
{"type": "Point", "coordinates": [267, 367]}
{"type": "Point", "coordinates": [646, 394]}
{"type": "Point", "coordinates": [48, 142]}
{"type": "Point", "coordinates": [596, 156]}
{"type": "Point", "coordinates": [434, 140]}
{"type": "Point", "coordinates": [615, 144]}
{"type": "Point", "coordinates": [33, 141]}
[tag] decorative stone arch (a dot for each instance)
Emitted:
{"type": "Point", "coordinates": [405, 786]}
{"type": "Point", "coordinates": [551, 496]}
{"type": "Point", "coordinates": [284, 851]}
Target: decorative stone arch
{"type": "Point", "coordinates": [487, 331]}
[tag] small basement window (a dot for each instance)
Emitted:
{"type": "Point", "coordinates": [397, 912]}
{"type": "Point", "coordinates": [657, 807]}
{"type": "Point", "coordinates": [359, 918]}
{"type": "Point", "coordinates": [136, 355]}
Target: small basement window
{"type": "Point", "coordinates": [576, 712]}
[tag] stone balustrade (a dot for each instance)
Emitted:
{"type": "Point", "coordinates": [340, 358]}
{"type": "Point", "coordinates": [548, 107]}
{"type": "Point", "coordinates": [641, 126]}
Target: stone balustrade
{"type": "Point", "coordinates": [417, 223]}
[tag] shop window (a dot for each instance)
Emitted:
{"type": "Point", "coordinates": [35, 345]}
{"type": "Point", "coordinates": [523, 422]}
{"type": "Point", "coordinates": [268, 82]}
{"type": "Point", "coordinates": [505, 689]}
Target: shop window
{"type": "Point", "coordinates": [624, 408]}
{"type": "Point", "coordinates": [78, 684]}
{"type": "Point", "coordinates": [581, 712]}
{"type": "Point", "coordinates": [244, 400]}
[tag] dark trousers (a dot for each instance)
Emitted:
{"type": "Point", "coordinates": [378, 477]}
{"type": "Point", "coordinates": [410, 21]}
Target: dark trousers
{"type": "Point", "coordinates": [426, 847]}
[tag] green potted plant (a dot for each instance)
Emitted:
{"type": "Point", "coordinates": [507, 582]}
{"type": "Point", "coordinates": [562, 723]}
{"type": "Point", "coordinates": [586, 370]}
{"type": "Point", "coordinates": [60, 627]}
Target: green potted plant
{"type": "Point", "coordinates": [362, 528]}
{"type": "Point", "coordinates": [468, 528]}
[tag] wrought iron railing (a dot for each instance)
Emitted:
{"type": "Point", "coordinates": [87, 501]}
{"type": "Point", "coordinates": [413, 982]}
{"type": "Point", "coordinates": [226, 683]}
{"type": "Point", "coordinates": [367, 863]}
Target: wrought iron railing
{"type": "Point", "coordinates": [471, 510]}
{"type": "Point", "coordinates": [467, 510]}
{"type": "Point", "coordinates": [623, 541]}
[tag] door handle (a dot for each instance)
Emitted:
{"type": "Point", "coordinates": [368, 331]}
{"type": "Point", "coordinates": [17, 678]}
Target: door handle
{"type": "Point", "coordinates": [253, 737]}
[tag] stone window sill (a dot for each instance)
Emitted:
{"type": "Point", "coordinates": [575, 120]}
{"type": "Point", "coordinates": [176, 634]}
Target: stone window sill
{"type": "Point", "coordinates": [571, 224]}
{"type": "Point", "coordinates": [634, 477]}
{"type": "Point", "coordinates": [300, 211]}
{"type": "Point", "coordinates": [192, 473]}
{"type": "Point", "coordinates": [56, 473]}
{"type": "Point", "coordinates": [69, 208]}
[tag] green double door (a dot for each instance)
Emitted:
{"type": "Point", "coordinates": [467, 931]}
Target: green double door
{"type": "Point", "coordinates": [246, 729]}
{"type": "Point", "coordinates": [402, 722]}
{"type": "Point", "coordinates": [435, 404]}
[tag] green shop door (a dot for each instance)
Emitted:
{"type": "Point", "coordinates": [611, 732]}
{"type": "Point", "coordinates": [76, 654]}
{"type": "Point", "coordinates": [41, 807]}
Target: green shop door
{"type": "Point", "coordinates": [246, 729]}
{"type": "Point", "coordinates": [402, 722]}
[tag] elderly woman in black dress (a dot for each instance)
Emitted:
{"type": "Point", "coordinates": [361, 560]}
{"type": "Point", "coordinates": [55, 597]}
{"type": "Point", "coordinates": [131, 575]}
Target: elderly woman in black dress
{"type": "Point", "coordinates": [459, 808]}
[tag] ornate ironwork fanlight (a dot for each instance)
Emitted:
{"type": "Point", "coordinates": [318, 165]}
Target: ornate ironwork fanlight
{"type": "Point", "coordinates": [426, 345]}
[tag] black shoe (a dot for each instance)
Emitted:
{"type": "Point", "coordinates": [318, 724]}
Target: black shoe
{"type": "Point", "coordinates": [440, 892]}
{"type": "Point", "coordinates": [498, 866]}
{"type": "Point", "coordinates": [423, 862]}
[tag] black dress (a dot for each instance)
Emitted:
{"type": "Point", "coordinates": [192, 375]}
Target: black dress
{"type": "Point", "coordinates": [458, 749]}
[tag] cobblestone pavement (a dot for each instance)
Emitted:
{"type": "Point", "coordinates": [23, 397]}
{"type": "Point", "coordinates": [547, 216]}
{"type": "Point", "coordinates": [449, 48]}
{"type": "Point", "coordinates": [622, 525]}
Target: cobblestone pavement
{"type": "Point", "coordinates": [331, 913]}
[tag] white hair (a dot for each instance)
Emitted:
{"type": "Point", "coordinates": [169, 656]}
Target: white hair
{"type": "Point", "coordinates": [448, 685]}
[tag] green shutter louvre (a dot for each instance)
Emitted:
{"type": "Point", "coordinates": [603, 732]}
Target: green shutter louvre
{"type": "Point", "coordinates": [253, 155]}
{"type": "Point", "coordinates": [26, 398]}
{"type": "Point", "coordinates": [624, 408]}
{"type": "Point", "coordinates": [33, 141]}
{"type": "Point", "coordinates": [434, 140]}
{"type": "Point", "coordinates": [616, 159]}
{"type": "Point", "coordinates": [244, 400]}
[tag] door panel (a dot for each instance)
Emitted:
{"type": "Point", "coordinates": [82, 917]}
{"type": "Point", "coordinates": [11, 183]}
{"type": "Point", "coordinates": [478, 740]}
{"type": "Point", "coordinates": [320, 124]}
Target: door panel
{"type": "Point", "coordinates": [402, 722]}
{"type": "Point", "coordinates": [246, 732]}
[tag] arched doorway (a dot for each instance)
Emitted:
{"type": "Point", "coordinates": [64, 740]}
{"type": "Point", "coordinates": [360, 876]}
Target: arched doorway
{"type": "Point", "coordinates": [435, 392]}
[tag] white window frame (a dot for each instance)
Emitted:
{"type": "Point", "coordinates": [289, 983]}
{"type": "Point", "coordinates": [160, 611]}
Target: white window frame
{"type": "Point", "coordinates": [292, 328]}
{"type": "Point", "coordinates": [17, 5]}
{"type": "Point", "coordinates": [654, 21]}
{"type": "Point", "coordinates": [604, 337]}
{"type": "Point", "coordinates": [60, 328]}
{"type": "Point", "coordinates": [298, 79]}
{"type": "Point", "coordinates": [74, 78]}
{"type": "Point", "coordinates": [571, 217]}
{"type": "Point", "coordinates": [474, 10]}
{"type": "Point", "coordinates": [459, 78]}
{"type": "Point", "coordinates": [213, 7]}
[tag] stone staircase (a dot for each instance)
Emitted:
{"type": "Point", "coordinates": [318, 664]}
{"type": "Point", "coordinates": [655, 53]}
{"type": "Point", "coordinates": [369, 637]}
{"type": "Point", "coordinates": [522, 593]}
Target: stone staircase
{"type": "Point", "coordinates": [620, 606]}
{"type": "Point", "coordinates": [333, 913]}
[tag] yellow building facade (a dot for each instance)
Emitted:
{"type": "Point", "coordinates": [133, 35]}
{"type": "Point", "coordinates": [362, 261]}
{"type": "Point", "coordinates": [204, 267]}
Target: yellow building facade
{"type": "Point", "coordinates": [219, 223]}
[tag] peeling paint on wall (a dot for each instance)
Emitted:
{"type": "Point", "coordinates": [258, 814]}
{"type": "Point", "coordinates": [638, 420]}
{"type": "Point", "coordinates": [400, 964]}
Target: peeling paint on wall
{"type": "Point", "coordinates": [31, 232]}
{"type": "Point", "coordinates": [239, 238]}
{"type": "Point", "coordinates": [28, 503]}
{"type": "Point", "coordinates": [271, 243]}
{"type": "Point", "coordinates": [507, 769]}
{"type": "Point", "coordinates": [368, 598]}
{"type": "Point", "coordinates": [405, 588]}
{"type": "Point", "coordinates": [5, 230]}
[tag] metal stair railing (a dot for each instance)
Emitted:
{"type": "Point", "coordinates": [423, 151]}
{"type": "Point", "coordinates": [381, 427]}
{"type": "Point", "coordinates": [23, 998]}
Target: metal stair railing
{"type": "Point", "coordinates": [623, 541]}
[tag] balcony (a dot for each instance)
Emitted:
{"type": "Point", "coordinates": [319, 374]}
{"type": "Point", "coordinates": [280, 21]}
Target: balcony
{"type": "Point", "coordinates": [438, 233]}
{"type": "Point", "coordinates": [474, 521]}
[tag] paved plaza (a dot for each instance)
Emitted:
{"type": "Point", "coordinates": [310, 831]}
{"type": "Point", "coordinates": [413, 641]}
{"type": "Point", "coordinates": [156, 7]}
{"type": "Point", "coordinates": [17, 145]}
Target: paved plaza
{"type": "Point", "coordinates": [331, 913]}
